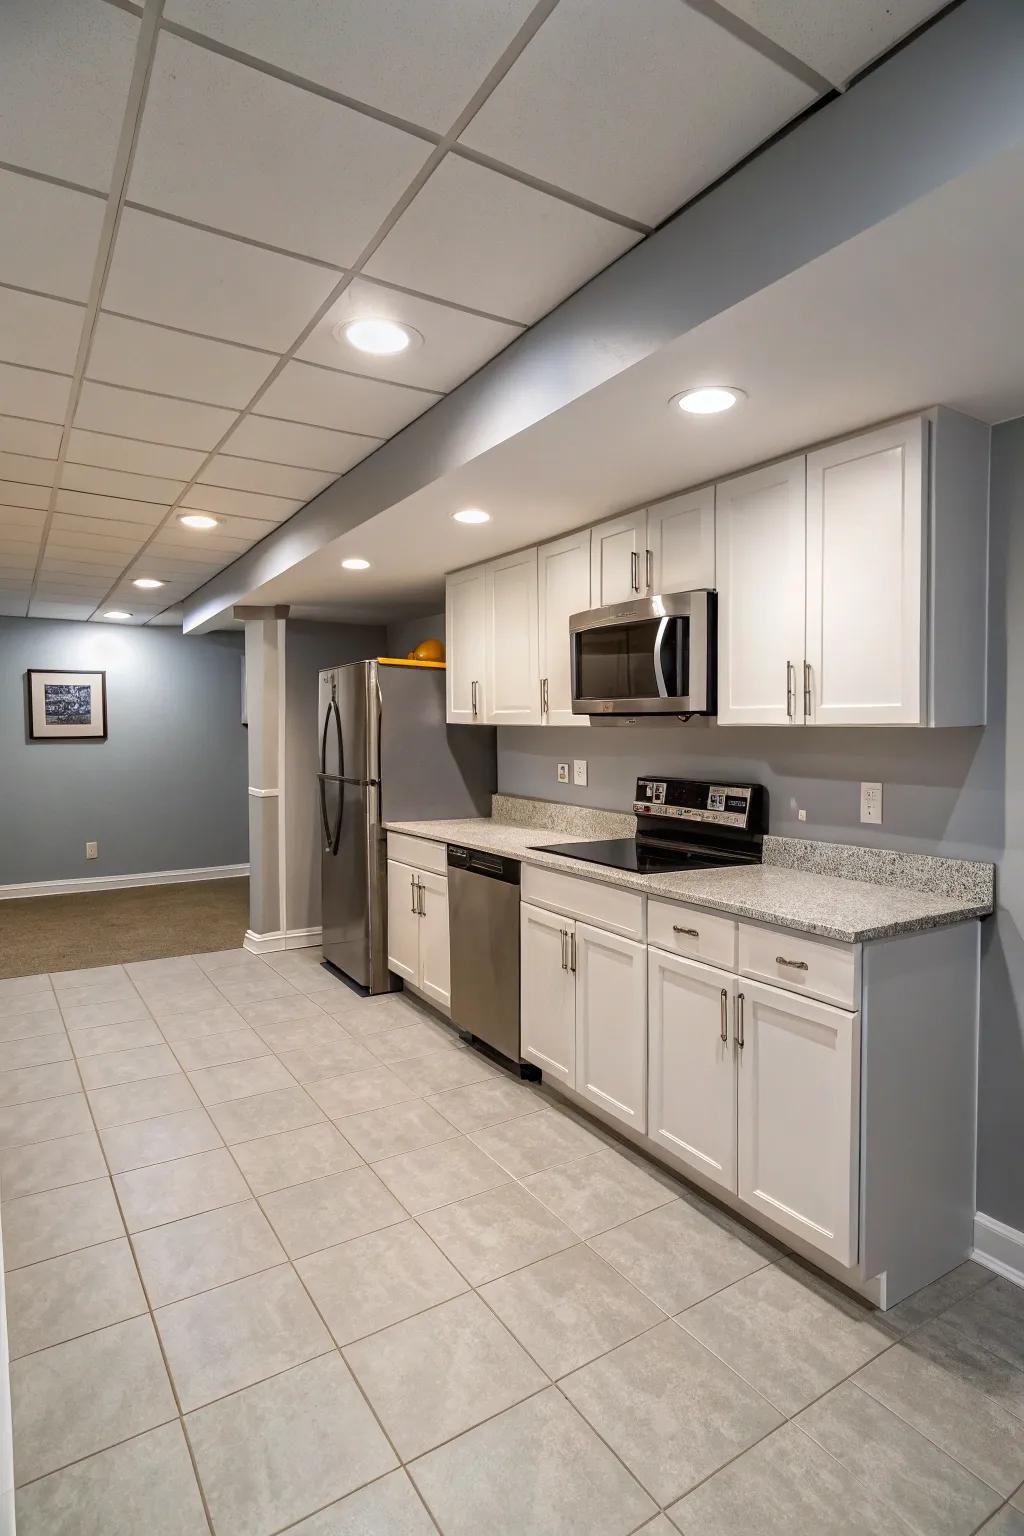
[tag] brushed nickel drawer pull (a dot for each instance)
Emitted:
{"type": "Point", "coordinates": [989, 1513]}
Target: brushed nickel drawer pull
{"type": "Point", "coordinates": [725, 1016]}
{"type": "Point", "coordinates": [795, 965]}
{"type": "Point", "coordinates": [691, 933]}
{"type": "Point", "coordinates": [740, 1032]}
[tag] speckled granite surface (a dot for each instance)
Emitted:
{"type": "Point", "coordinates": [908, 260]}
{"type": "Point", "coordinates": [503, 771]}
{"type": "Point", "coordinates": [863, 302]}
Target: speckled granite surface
{"type": "Point", "coordinates": [834, 907]}
{"type": "Point", "coordinates": [569, 820]}
{"type": "Point", "coordinates": [968, 879]}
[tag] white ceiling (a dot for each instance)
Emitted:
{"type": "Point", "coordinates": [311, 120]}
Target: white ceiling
{"type": "Point", "coordinates": [190, 203]}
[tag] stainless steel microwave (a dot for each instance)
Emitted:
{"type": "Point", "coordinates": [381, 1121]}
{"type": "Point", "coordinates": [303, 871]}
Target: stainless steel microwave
{"type": "Point", "coordinates": [652, 657]}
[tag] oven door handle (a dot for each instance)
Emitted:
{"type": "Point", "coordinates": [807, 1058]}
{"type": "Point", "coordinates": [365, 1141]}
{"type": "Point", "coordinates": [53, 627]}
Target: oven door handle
{"type": "Point", "coordinates": [659, 647]}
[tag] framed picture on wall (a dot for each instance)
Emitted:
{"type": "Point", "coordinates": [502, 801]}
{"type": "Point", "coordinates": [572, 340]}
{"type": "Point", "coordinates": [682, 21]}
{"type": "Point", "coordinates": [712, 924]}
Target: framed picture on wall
{"type": "Point", "coordinates": [67, 706]}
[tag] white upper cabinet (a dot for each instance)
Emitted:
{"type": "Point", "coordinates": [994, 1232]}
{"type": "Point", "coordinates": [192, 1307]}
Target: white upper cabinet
{"type": "Point", "coordinates": [866, 578]}
{"type": "Point", "coordinates": [619, 567]}
{"type": "Point", "coordinates": [563, 576]}
{"type": "Point", "coordinates": [681, 539]}
{"type": "Point", "coordinates": [759, 559]}
{"type": "Point", "coordinates": [513, 675]}
{"type": "Point", "coordinates": [465, 641]}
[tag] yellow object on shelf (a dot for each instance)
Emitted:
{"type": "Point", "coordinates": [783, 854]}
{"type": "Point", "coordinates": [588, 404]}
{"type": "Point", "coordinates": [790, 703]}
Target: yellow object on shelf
{"type": "Point", "coordinates": [403, 661]}
{"type": "Point", "coordinates": [428, 650]}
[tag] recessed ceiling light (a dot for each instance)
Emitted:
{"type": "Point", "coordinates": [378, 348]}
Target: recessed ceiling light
{"type": "Point", "coordinates": [148, 583]}
{"type": "Point", "coordinates": [116, 613]}
{"type": "Point", "coordinates": [198, 520]}
{"type": "Point", "coordinates": [472, 515]}
{"type": "Point", "coordinates": [708, 400]}
{"type": "Point", "coordinates": [355, 564]}
{"type": "Point", "coordinates": [384, 338]}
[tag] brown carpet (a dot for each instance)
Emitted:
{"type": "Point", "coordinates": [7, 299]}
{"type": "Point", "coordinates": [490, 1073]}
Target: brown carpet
{"type": "Point", "coordinates": [65, 933]}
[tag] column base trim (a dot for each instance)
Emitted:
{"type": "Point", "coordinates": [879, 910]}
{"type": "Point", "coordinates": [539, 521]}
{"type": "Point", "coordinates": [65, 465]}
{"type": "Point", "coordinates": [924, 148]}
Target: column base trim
{"type": "Point", "coordinates": [272, 943]}
{"type": "Point", "coordinates": [999, 1247]}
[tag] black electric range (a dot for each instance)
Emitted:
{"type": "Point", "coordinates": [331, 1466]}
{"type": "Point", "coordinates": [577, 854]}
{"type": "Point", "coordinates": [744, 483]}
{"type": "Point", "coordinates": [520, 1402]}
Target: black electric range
{"type": "Point", "coordinates": [682, 824]}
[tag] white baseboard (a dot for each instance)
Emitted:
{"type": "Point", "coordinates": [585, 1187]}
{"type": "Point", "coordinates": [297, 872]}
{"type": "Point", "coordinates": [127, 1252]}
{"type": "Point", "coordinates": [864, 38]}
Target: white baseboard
{"type": "Point", "coordinates": [121, 882]}
{"type": "Point", "coordinates": [999, 1247]}
{"type": "Point", "coordinates": [271, 943]}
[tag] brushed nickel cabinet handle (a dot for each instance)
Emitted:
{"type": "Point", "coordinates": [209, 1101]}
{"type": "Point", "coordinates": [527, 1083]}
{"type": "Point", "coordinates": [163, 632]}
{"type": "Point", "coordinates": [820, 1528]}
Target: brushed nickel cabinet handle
{"type": "Point", "coordinates": [634, 568]}
{"type": "Point", "coordinates": [650, 569]}
{"type": "Point", "coordinates": [725, 1016]}
{"type": "Point", "coordinates": [422, 898]}
{"type": "Point", "coordinates": [412, 893]}
{"type": "Point", "coordinates": [473, 689]}
{"type": "Point", "coordinates": [563, 936]}
{"type": "Point", "coordinates": [544, 705]}
{"type": "Point", "coordinates": [572, 953]}
{"type": "Point", "coordinates": [740, 1032]}
{"type": "Point", "coordinates": [794, 965]}
{"type": "Point", "coordinates": [691, 933]}
{"type": "Point", "coordinates": [807, 690]}
{"type": "Point", "coordinates": [790, 689]}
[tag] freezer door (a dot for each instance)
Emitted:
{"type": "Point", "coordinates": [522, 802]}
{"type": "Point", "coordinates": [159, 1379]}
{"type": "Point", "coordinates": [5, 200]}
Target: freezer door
{"type": "Point", "coordinates": [354, 889]}
{"type": "Point", "coordinates": [357, 699]}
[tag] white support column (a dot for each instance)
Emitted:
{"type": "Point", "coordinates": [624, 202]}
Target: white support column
{"type": "Point", "coordinates": [265, 708]}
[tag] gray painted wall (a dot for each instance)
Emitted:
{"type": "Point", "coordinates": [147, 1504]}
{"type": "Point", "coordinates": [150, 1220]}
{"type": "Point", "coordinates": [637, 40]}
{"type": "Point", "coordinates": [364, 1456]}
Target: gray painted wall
{"type": "Point", "coordinates": [956, 792]}
{"type": "Point", "coordinates": [406, 635]}
{"type": "Point", "coordinates": [167, 790]}
{"type": "Point", "coordinates": [309, 647]}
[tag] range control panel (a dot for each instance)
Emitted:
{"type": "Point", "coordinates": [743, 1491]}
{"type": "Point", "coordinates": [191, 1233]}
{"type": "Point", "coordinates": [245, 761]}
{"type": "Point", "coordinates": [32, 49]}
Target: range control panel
{"type": "Point", "coordinates": [721, 805]}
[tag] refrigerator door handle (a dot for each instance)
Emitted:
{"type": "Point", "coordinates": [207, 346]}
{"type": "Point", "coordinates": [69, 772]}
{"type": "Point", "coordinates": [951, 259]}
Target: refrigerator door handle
{"type": "Point", "coordinates": [336, 778]}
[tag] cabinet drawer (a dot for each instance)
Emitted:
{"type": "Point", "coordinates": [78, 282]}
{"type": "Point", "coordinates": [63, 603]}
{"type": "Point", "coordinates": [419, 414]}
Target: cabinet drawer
{"type": "Point", "coordinates": [420, 852]}
{"type": "Point", "coordinates": [603, 905]}
{"type": "Point", "coordinates": [693, 932]}
{"type": "Point", "coordinates": [815, 967]}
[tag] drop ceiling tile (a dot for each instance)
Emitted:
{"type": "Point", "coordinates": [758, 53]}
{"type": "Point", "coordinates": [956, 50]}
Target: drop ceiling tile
{"type": "Point", "coordinates": [41, 439]}
{"type": "Point", "coordinates": [44, 609]}
{"type": "Point", "coordinates": [71, 524]}
{"type": "Point", "coordinates": [269, 479]}
{"type": "Point", "coordinates": [48, 235]}
{"type": "Point", "coordinates": [836, 38]}
{"type": "Point", "coordinates": [69, 546]}
{"type": "Point", "coordinates": [436, 54]}
{"type": "Point", "coordinates": [250, 529]}
{"type": "Point", "coordinates": [64, 76]}
{"type": "Point", "coordinates": [171, 619]}
{"type": "Point", "coordinates": [26, 470]}
{"type": "Point", "coordinates": [323, 397]}
{"type": "Point", "coordinates": [226, 145]}
{"type": "Point", "coordinates": [113, 507]}
{"type": "Point", "coordinates": [171, 363]}
{"type": "Point", "coordinates": [637, 107]}
{"type": "Point", "coordinates": [106, 451]}
{"type": "Point", "coordinates": [226, 549]}
{"type": "Point", "coordinates": [82, 575]}
{"type": "Point", "coordinates": [18, 556]}
{"type": "Point", "coordinates": [115, 482]}
{"type": "Point", "coordinates": [208, 283]}
{"type": "Point", "coordinates": [42, 333]}
{"type": "Point", "coordinates": [13, 600]}
{"type": "Point", "coordinates": [455, 344]}
{"type": "Point", "coordinates": [286, 442]}
{"type": "Point", "coordinates": [39, 396]}
{"type": "Point", "coordinates": [22, 522]}
{"type": "Point", "coordinates": [14, 494]}
{"type": "Point", "coordinates": [157, 418]}
{"type": "Point", "coordinates": [481, 239]}
{"type": "Point", "coordinates": [214, 498]}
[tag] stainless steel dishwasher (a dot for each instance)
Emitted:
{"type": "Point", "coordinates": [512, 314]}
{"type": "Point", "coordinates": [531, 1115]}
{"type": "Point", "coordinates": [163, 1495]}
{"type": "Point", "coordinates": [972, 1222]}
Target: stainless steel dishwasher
{"type": "Point", "coordinates": [483, 919]}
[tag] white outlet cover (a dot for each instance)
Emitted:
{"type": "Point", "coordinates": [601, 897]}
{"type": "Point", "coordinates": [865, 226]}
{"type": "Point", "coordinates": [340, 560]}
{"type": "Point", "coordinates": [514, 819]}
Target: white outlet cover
{"type": "Point", "coordinates": [563, 773]}
{"type": "Point", "coordinates": [579, 770]}
{"type": "Point", "coordinates": [871, 803]}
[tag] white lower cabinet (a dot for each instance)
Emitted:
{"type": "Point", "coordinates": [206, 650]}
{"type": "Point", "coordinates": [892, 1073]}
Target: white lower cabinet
{"type": "Point", "coordinates": [547, 993]}
{"type": "Point", "coordinates": [418, 942]}
{"type": "Point", "coordinates": [798, 1115]}
{"type": "Point", "coordinates": [691, 1104]}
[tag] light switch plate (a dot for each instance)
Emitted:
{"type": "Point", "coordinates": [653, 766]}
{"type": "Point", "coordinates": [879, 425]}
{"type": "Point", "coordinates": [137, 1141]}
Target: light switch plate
{"type": "Point", "coordinates": [563, 773]}
{"type": "Point", "coordinates": [579, 770]}
{"type": "Point", "coordinates": [871, 803]}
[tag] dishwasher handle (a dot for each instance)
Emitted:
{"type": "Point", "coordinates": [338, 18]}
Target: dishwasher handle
{"type": "Point", "coordinates": [493, 866]}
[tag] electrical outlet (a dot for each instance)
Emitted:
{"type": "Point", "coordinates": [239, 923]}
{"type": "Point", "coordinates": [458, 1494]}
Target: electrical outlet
{"type": "Point", "coordinates": [871, 802]}
{"type": "Point", "coordinates": [92, 850]}
{"type": "Point", "coordinates": [579, 770]}
{"type": "Point", "coordinates": [563, 773]}
{"type": "Point", "coordinates": [801, 814]}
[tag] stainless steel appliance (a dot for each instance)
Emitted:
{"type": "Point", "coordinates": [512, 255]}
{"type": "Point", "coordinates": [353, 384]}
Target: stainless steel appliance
{"type": "Point", "coordinates": [483, 907]}
{"type": "Point", "coordinates": [683, 824]}
{"type": "Point", "coordinates": [652, 657]}
{"type": "Point", "coordinates": [385, 753]}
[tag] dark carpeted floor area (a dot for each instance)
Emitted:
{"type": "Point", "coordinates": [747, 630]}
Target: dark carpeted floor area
{"type": "Point", "coordinates": [65, 933]}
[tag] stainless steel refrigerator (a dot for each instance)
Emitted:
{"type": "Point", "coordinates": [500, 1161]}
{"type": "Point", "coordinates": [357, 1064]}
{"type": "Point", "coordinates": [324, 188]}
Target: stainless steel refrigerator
{"type": "Point", "coordinates": [385, 753]}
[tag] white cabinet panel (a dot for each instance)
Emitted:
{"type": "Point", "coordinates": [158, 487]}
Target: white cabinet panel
{"type": "Point", "coordinates": [681, 538]}
{"type": "Point", "coordinates": [799, 1145]}
{"type": "Point", "coordinates": [547, 993]}
{"type": "Point", "coordinates": [821, 968]}
{"type": "Point", "coordinates": [618, 559]}
{"type": "Point", "coordinates": [611, 1024]}
{"type": "Point", "coordinates": [435, 975]}
{"type": "Point", "coordinates": [513, 674]}
{"type": "Point", "coordinates": [865, 578]}
{"type": "Point", "coordinates": [760, 542]}
{"type": "Point", "coordinates": [692, 1071]}
{"type": "Point", "coordinates": [563, 574]}
{"type": "Point", "coordinates": [465, 643]}
{"type": "Point", "coordinates": [403, 922]}
{"type": "Point", "coordinates": [607, 906]}
{"type": "Point", "coordinates": [693, 932]}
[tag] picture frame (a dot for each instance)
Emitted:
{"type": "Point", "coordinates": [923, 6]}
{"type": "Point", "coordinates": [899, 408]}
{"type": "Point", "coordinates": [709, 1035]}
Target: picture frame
{"type": "Point", "coordinates": [64, 705]}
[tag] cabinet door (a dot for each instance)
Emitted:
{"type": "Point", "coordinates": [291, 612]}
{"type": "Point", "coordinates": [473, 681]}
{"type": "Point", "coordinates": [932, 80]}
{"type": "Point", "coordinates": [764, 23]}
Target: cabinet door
{"type": "Point", "coordinates": [513, 674]}
{"type": "Point", "coordinates": [547, 993]}
{"type": "Point", "coordinates": [403, 922]}
{"type": "Point", "coordinates": [691, 1095]}
{"type": "Point", "coordinates": [611, 1023]}
{"type": "Point", "coordinates": [681, 538]}
{"type": "Point", "coordinates": [799, 1106]}
{"type": "Point", "coordinates": [618, 559]}
{"type": "Point", "coordinates": [435, 958]}
{"type": "Point", "coordinates": [865, 578]}
{"type": "Point", "coordinates": [465, 640]}
{"type": "Point", "coordinates": [759, 565]}
{"type": "Point", "coordinates": [563, 573]}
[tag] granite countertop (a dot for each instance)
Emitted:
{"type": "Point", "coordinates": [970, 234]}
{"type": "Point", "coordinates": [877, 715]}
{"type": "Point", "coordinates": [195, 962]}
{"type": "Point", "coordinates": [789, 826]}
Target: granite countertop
{"type": "Point", "coordinates": [835, 907]}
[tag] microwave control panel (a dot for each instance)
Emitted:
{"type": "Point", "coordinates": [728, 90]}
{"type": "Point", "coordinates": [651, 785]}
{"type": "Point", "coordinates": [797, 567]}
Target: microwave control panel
{"type": "Point", "coordinates": [721, 805]}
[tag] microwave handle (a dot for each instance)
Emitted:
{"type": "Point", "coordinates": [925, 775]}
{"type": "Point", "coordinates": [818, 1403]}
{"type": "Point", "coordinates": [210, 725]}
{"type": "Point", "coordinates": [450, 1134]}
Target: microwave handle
{"type": "Point", "coordinates": [664, 634]}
